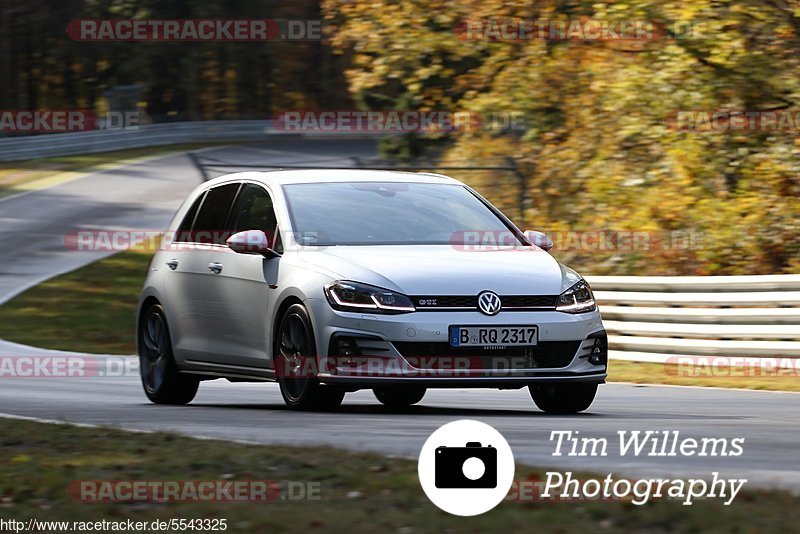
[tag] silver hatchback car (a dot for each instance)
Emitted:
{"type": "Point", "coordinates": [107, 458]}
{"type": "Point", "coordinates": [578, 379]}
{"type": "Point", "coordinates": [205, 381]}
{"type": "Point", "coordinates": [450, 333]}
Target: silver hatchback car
{"type": "Point", "coordinates": [332, 281]}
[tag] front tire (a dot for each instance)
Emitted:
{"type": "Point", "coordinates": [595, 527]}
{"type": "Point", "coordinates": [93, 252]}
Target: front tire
{"type": "Point", "coordinates": [296, 362]}
{"type": "Point", "coordinates": [399, 398]}
{"type": "Point", "coordinates": [162, 382]}
{"type": "Point", "coordinates": [563, 398]}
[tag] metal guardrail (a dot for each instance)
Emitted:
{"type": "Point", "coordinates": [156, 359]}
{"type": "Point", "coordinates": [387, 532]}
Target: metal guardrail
{"type": "Point", "coordinates": [66, 144]}
{"type": "Point", "coordinates": [656, 318]}
{"type": "Point", "coordinates": [687, 284]}
{"type": "Point", "coordinates": [167, 133]}
{"type": "Point", "coordinates": [750, 298]}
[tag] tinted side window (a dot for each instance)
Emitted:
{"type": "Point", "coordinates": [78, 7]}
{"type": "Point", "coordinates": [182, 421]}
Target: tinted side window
{"type": "Point", "coordinates": [254, 211]}
{"type": "Point", "coordinates": [209, 227]}
{"type": "Point", "coordinates": [185, 229]}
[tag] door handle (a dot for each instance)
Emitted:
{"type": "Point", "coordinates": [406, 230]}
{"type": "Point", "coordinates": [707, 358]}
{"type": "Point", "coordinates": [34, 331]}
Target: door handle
{"type": "Point", "coordinates": [172, 264]}
{"type": "Point", "coordinates": [215, 267]}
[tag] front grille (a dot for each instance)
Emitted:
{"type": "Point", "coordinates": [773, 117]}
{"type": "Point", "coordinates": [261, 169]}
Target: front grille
{"type": "Point", "coordinates": [546, 355]}
{"type": "Point", "coordinates": [470, 302]}
{"type": "Point", "coordinates": [446, 301]}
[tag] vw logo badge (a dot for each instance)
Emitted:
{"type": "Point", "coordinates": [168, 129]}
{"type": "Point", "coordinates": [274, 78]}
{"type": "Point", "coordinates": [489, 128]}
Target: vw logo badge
{"type": "Point", "coordinates": [489, 303]}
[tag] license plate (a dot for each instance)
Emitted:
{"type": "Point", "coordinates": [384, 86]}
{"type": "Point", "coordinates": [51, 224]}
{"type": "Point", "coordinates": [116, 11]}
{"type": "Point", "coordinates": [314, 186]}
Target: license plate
{"type": "Point", "coordinates": [496, 336]}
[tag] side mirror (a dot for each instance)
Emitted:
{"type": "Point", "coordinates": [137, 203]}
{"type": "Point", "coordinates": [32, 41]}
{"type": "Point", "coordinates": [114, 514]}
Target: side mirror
{"type": "Point", "coordinates": [539, 239]}
{"type": "Point", "coordinates": [251, 242]}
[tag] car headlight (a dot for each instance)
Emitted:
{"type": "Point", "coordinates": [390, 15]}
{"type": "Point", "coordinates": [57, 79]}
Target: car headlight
{"type": "Point", "coordinates": [357, 297]}
{"type": "Point", "coordinates": [577, 299]}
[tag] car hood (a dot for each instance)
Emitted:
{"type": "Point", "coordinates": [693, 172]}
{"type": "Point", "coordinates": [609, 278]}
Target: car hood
{"type": "Point", "coordinates": [442, 269]}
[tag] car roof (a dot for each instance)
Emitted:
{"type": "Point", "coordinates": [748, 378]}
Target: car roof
{"type": "Point", "coordinates": [307, 176]}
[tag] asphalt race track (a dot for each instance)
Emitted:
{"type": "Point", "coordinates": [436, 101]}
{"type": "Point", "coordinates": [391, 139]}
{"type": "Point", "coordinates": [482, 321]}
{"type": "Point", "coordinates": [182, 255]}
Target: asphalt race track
{"type": "Point", "coordinates": [144, 195]}
{"type": "Point", "coordinates": [255, 413]}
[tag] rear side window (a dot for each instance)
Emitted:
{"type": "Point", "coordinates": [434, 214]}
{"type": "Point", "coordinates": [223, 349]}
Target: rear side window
{"type": "Point", "coordinates": [209, 226]}
{"type": "Point", "coordinates": [185, 229]}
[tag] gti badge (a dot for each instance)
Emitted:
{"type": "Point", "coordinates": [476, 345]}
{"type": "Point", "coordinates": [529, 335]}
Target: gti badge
{"type": "Point", "coordinates": [488, 302]}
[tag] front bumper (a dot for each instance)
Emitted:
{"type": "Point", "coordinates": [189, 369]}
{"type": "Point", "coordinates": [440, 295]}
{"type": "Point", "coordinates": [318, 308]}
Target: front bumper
{"type": "Point", "coordinates": [498, 382]}
{"type": "Point", "coordinates": [380, 339]}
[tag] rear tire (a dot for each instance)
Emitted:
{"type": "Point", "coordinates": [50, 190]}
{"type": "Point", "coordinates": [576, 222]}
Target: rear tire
{"type": "Point", "coordinates": [162, 382]}
{"type": "Point", "coordinates": [399, 398]}
{"type": "Point", "coordinates": [563, 398]}
{"type": "Point", "coordinates": [296, 364]}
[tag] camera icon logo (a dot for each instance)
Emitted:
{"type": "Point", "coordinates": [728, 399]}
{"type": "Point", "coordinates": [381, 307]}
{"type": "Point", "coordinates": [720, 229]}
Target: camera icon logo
{"type": "Point", "coordinates": [472, 466]}
{"type": "Point", "coordinates": [466, 467]}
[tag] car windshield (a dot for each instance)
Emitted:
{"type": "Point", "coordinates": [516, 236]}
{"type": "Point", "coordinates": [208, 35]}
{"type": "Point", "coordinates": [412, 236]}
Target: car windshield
{"type": "Point", "coordinates": [390, 213]}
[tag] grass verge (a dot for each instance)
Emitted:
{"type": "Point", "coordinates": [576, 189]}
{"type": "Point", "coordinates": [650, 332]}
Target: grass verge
{"type": "Point", "coordinates": [93, 310]}
{"type": "Point", "coordinates": [656, 373]}
{"type": "Point", "coordinates": [360, 492]}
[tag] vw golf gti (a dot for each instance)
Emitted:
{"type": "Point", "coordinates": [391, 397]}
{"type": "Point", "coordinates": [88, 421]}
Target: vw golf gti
{"type": "Point", "coordinates": [333, 281]}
